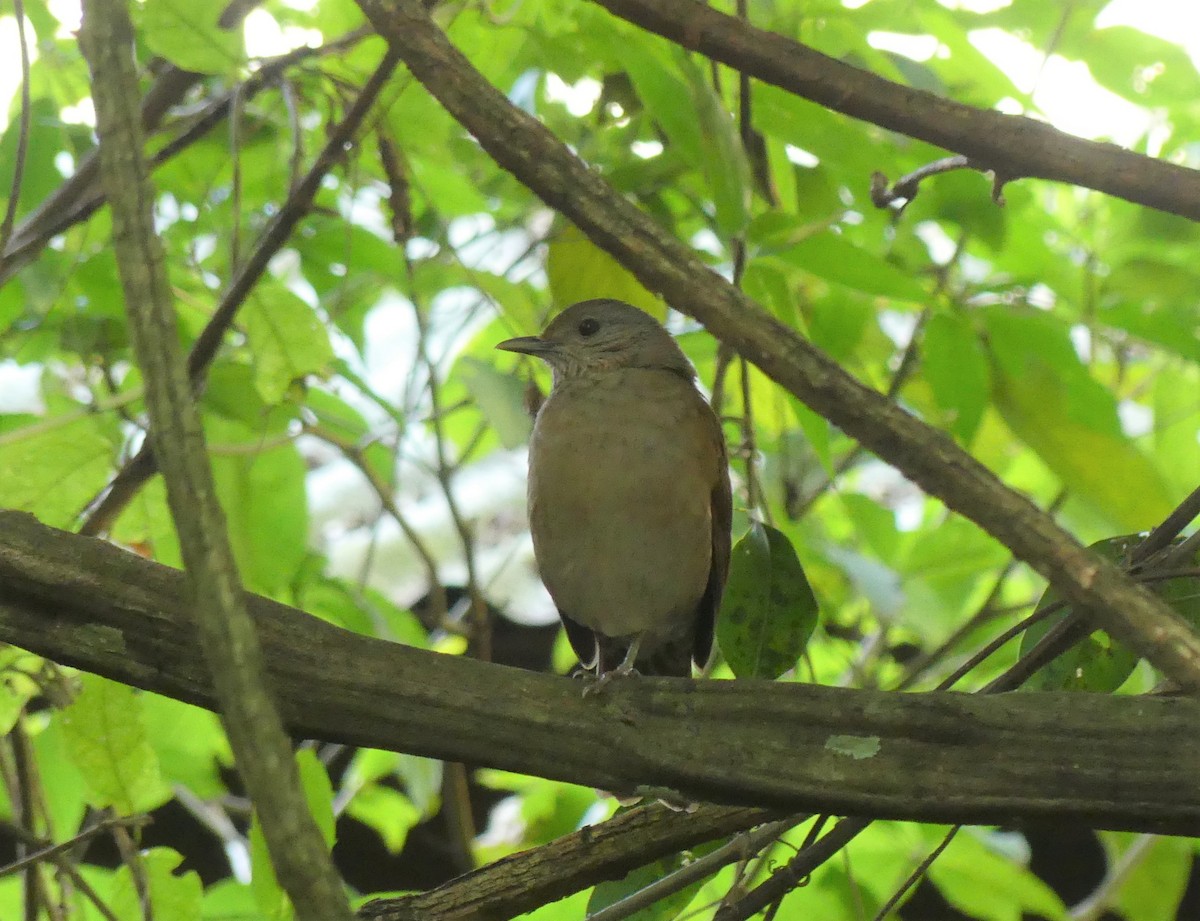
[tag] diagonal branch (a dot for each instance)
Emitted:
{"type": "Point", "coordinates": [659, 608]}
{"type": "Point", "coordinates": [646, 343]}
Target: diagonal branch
{"type": "Point", "coordinates": [525, 147]}
{"type": "Point", "coordinates": [1012, 146]}
{"type": "Point", "coordinates": [215, 601]}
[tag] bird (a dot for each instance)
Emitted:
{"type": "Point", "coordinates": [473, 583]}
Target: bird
{"type": "Point", "coordinates": [629, 495]}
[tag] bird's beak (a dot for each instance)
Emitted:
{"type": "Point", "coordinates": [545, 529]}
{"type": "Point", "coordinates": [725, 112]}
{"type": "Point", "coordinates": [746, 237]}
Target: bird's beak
{"type": "Point", "coordinates": [528, 345]}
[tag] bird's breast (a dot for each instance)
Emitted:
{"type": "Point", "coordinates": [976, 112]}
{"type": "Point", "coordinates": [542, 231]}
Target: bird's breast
{"type": "Point", "coordinates": [620, 485]}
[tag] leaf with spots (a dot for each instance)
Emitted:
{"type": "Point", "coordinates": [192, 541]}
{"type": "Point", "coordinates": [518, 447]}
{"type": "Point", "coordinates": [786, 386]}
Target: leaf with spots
{"type": "Point", "coordinates": [769, 611]}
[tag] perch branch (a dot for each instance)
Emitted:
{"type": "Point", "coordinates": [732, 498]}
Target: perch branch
{"type": "Point", "coordinates": [1115, 762]}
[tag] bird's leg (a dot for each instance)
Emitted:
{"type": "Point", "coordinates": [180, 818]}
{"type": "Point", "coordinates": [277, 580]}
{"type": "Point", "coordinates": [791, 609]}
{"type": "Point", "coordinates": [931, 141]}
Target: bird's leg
{"type": "Point", "coordinates": [625, 668]}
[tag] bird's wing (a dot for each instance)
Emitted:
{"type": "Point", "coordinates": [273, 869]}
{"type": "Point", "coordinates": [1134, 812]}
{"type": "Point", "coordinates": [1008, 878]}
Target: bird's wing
{"type": "Point", "coordinates": [722, 521]}
{"type": "Point", "coordinates": [583, 640]}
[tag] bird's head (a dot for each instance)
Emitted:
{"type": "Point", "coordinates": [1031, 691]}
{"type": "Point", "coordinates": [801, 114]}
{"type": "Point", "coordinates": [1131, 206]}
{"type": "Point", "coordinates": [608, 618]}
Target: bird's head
{"type": "Point", "coordinates": [600, 335]}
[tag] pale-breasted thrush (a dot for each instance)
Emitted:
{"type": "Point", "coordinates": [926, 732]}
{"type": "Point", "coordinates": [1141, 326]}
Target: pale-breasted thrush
{"type": "Point", "coordinates": [629, 495]}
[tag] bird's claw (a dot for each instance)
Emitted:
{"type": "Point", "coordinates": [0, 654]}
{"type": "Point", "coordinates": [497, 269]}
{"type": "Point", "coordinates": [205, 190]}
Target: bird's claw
{"type": "Point", "coordinates": [598, 683]}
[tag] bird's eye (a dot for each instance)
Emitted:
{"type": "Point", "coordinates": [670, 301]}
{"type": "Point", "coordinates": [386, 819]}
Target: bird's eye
{"type": "Point", "coordinates": [588, 327]}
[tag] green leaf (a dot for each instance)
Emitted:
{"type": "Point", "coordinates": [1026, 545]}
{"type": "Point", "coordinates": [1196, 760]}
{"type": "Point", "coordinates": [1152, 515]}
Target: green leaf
{"type": "Point", "coordinates": [12, 298]}
{"type": "Point", "coordinates": [177, 897]}
{"type": "Point", "coordinates": [667, 96]}
{"type": "Point", "coordinates": [963, 199]}
{"type": "Point", "coordinates": [780, 114]}
{"type": "Point", "coordinates": [1152, 318]}
{"type": "Point", "coordinates": [579, 270]}
{"type": "Point", "coordinates": [955, 364]}
{"type": "Point", "coordinates": [288, 340]}
{"type": "Point", "coordinates": [273, 903]}
{"type": "Point", "coordinates": [501, 399]}
{"type": "Point", "coordinates": [838, 323]}
{"type": "Point", "coordinates": [337, 415]}
{"type": "Point", "coordinates": [551, 810]}
{"type": "Point", "coordinates": [318, 793]}
{"type": "Point", "coordinates": [266, 508]}
{"type": "Point", "coordinates": [723, 160]}
{"type": "Point", "coordinates": [189, 743]}
{"type": "Point", "coordinates": [1097, 664]}
{"type": "Point", "coordinates": [186, 33]}
{"type": "Point", "coordinates": [1177, 425]}
{"type": "Point", "coordinates": [834, 258]}
{"type": "Point", "coordinates": [107, 742]}
{"type": "Point", "coordinates": [1049, 400]}
{"type": "Point", "coordinates": [53, 472]}
{"type": "Point", "coordinates": [1181, 593]}
{"type": "Point", "coordinates": [769, 611]}
{"type": "Point", "coordinates": [769, 284]}
{"type": "Point", "coordinates": [940, 569]}
{"type": "Point", "coordinates": [816, 433]}
{"type": "Point", "coordinates": [44, 138]}
{"type": "Point", "coordinates": [422, 781]}
{"type": "Point", "coordinates": [16, 687]}
{"type": "Point", "coordinates": [1155, 884]}
{"type": "Point", "coordinates": [67, 796]}
{"type": "Point", "coordinates": [667, 908]}
{"type": "Point", "coordinates": [1145, 69]}
{"type": "Point", "coordinates": [388, 811]}
{"type": "Point", "coordinates": [986, 885]}
{"type": "Point", "coordinates": [228, 899]}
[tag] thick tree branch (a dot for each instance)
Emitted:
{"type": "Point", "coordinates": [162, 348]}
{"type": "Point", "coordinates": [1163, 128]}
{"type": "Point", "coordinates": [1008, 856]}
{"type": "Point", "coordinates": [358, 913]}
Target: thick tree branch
{"type": "Point", "coordinates": [1012, 146]}
{"type": "Point", "coordinates": [226, 633]}
{"type": "Point", "coordinates": [1114, 762]}
{"type": "Point", "coordinates": [522, 145]}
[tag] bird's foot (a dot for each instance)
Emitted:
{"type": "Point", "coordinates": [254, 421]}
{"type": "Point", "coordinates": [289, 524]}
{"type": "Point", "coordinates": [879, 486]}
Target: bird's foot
{"type": "Point", "coordinates": [672, 799]}
{"type": "Point", "coordinates": [597, 684]}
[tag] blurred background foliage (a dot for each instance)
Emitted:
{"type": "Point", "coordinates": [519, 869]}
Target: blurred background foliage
{"type": "Point", "coordinates": [368, 442]}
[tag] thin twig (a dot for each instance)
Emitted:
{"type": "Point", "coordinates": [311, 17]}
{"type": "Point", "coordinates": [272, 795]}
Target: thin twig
{"type": "Point", "coordinates": [385, 494]}
{"type": "Point", "coordinates": [235, 180]}
{"type": "Point", "coordinates": [14, 193]}
{"type": "Point", "coordinates": [1172, 526]}
{"type": "Point", "coordinates": [909, 362]}
{"type": "Point", "coordinates": [1093, 907]}
{"type": "Point", "coordinates": [905, 189]}
{"type": "Point", "coordinates": [211, 815]}
{"type": "Point", "coordinates": [740, 847]}
{"type": "Point", "coordinates": [56, 853]}
{"type": "Point", "coordinates": [132, 858]}
{"type": "Point", "coordinates": [915, 877]}
{"type": "Point", "coordinates": [787, 877]}
{"type": "Point", "coordinates": [402, 224]}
